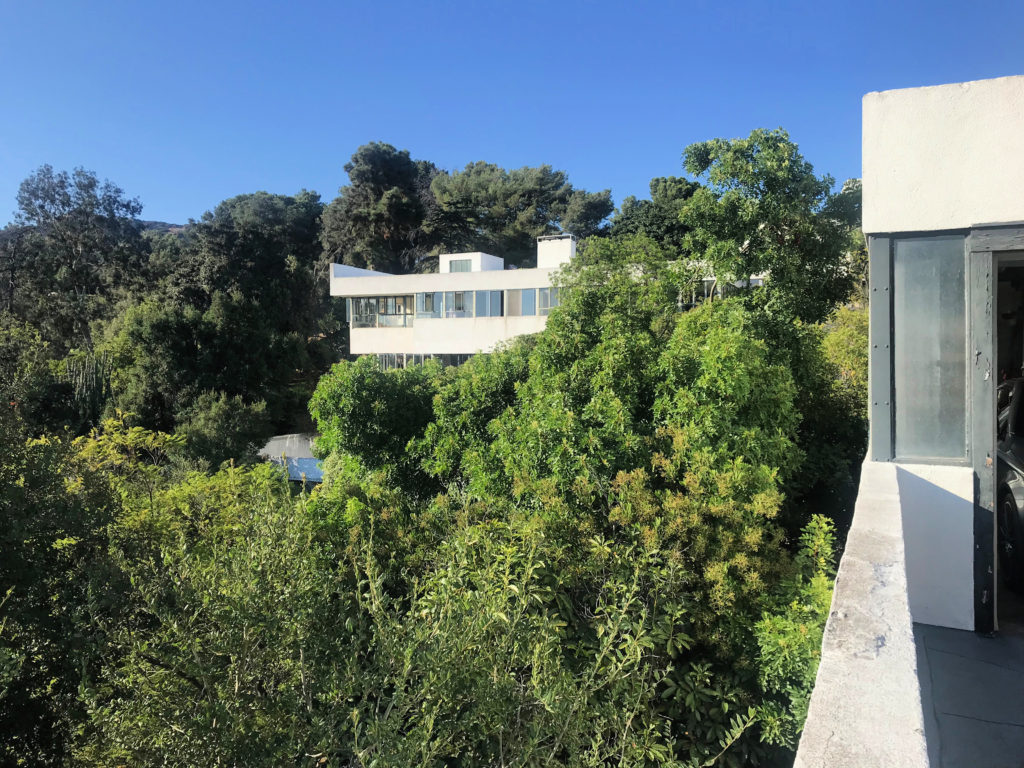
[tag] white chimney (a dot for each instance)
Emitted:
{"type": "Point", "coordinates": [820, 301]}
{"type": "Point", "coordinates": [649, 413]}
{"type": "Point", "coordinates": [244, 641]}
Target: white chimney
{"type": "Point", "coordinates": [555, 250]}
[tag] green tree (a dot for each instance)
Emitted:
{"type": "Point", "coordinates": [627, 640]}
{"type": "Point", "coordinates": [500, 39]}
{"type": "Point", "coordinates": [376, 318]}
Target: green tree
{"type": "Point", "coordinates": [659, 217]}
{"type": "Point", "coordinates": [218, 428]}
{"type": "Point", "coordinates": [377, 220]}
{"type": "Point", "coordinates": [371, 413]}
{"type": "Point", "coordinates": [261, 246]}
{"type": "Point", "coordinates": [764, 211]}
{"type": "Point", "coordinates": [484, 207]}
{"type": "Point", "coordinates": [82, 249]}
{"type": "Point", "coordinates": [611, 509]}
{"type": "Point", "coordinates": [235, 649]}
{"type": "Point", "coordinates": [54, 571]}
{"type": "Point", "coordinates": [165, 355]}
{"type": "Point", "coordinates": [846, 347]}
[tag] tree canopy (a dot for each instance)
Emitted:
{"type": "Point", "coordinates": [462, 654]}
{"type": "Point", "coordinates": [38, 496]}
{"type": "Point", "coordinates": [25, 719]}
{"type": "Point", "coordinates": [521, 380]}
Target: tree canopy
{"type": "Point", "coordinates": [763, 210]}
{"type": "Point", "coordinates": [75, 249]}
{"type": "Point", "coordinates": [599, 544]}
{"type": "Point", "coordinates": [396, 214]}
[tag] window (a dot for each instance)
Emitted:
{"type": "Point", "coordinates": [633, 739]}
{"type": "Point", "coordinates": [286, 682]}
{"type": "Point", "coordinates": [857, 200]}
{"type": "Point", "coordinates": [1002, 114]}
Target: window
{"type": "Point", "coordinates": [428, 304]}
{"type": "Point", "coordinates": [382, 312]}
{"type": "Point", "coordinates": [460, 265]}
{"type": "Point", "coordinates": [488, 304]}
{"type": "Point", "coordinates": [364, 312]}
{"type": "Point", "coordinates": [547, 299]}
{"type": "Point", "coordinates": [929, 348]}
{"type": "Point", "coordinates": [529, 301]}
{"type": "Point", "coordinates": [457, 305]}
{"type": "Point", "coordinates": [513, 303]}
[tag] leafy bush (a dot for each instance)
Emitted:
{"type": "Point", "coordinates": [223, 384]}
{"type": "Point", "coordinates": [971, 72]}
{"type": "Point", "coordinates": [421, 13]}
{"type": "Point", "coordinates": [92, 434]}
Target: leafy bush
{"type": "Point", "coordinates": [604, 569]}
{"type": "Point", "coordinates": [217, 428]}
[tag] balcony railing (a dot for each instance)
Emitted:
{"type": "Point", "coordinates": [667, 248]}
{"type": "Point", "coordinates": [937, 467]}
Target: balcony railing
{"type": "Point", "coordinates": [382, 321]}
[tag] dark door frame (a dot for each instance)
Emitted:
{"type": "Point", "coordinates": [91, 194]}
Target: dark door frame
{"type": "Point", "coordinates": [984, 246]}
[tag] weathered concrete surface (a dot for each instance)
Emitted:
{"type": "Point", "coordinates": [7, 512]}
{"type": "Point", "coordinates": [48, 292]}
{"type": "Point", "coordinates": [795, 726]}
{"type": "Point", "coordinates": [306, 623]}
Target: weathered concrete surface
{"type": "Point", "coordinates": [866, 706]}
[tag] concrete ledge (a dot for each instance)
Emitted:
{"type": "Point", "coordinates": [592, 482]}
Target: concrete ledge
{"type": "Point", "coordinates": [866, 705]}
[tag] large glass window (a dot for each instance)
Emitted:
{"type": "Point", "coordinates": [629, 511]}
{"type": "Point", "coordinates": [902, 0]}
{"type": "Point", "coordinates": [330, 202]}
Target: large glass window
{"type": "Point", "coordinates": [529, 301]}
{"type": "Point", "coordinates": [460, 265]}
{"type": "Point", "coordinates": [428, 304]}
{"type": "Point", "coordinates": [521, 302]}
{"type": "Point", "coordinates": [364, 312]}
{"type": "Point", "coordinates": [513, 302]}
{"type": "Point", "coordinates": [488, 304]}
{"type": "Point", "coordinates": [382, 311]}
{"type": "Point", "coordinates": [458, 304]}
{"type": "Point", "coordinates": [547, 299]}
{"type": "Point", "coordinates": [929, 348]}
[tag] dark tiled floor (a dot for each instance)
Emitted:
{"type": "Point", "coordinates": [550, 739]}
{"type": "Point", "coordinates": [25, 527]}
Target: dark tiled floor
{"type": "Point", "coordinates": [972, 694]}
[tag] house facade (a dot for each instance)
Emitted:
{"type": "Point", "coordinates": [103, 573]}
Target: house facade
{"type": "Point", "coordinates": [470, 305]}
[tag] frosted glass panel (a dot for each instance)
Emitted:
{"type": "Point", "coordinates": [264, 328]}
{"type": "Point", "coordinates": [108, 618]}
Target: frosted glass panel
{"type": "Point", "coordinates": [929, 339]}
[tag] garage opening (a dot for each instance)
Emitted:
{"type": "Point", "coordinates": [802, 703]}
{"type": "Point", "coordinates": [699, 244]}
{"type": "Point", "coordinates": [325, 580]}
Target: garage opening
{"type": "Point", "coordinates": [1010, 443]}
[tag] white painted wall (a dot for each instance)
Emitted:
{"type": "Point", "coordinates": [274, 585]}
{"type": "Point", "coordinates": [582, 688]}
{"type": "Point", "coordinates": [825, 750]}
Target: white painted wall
{"type": "Point", "coordinates": [479, 261]}
{"type": "Point", "coordinates": [555, 250]}
{"type": "Point", "coordinates": [937, 507]}
{"type": "Point", "coordinates": [344, 270]}
{"type": "Point", "coordinates": [944, 157]}
{"type": "Point", "coordinates": [382, 284]}
{"type": "Point", "coordinates": [444, 336]}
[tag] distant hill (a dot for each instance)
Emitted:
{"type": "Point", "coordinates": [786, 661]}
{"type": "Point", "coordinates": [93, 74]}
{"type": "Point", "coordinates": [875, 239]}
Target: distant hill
{"type": "Point", "coordinates": [162, 226]}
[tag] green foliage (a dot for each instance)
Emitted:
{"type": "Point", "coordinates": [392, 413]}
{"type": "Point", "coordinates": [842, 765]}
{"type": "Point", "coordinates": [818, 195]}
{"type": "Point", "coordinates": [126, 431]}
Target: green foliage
{"type": "Point", "coordinates": [164, 357]}
{"type": "Point", "coordinates": [659, 217]}
{"type": "Point", "coordinates": [609, 534]}
{"type": "Point", "coordinates": [789, 637]}
{"type": "Point", "coordinates": [846, 346]}
{"type": "Point", "coordinates": [377, 221]}
{"type": "Point", "coordinates": [218, 428]}
{"type": "Point", "coordinates": [396, 214]}
{"type": "Point", "coordinates": [484, 207]}
{"type": "Point", "coordinates": [78, 249]}
{"type": "Point", "coordinates": [362, 409]}
{"type": "Point", "coordinates": [27, 385]}
{"type": "Point", "coordinates": [764, 211]}
{"type": "Point", "coordinates": [238, 615]}
{"type": "Point", "coordinates": [592, 546]}
{"type": "Point", "coordinates": [53, 517]}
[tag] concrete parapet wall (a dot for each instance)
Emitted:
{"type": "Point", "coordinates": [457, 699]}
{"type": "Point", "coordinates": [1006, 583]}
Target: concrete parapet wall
{"type": "Point", "coordinates": [866, 705]}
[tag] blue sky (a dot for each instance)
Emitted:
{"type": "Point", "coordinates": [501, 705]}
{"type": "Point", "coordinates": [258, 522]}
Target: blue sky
{"type": "Point", "coordinates": [185, 104]}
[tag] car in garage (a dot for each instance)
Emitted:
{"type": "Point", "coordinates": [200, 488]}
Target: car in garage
{"type": "Point", "coordinates": [1010, 482]}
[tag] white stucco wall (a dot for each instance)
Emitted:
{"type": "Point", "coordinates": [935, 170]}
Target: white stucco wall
{"type": "Point", "coordinates": [381, 284]}
{"type": "Point", "coordinates": [944, 157]}
{"type": "Point", "coordinates": [937, 508]}
{"type": "Point", "coordinates": [555, 251]}
{"type": "Point", "coordinates": [479, 261]}
{"type": "Point", "coordinates": [443, 336]}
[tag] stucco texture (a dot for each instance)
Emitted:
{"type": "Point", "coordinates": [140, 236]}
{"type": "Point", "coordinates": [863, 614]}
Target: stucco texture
{"type": "Point", "coordinates": [944, 157]}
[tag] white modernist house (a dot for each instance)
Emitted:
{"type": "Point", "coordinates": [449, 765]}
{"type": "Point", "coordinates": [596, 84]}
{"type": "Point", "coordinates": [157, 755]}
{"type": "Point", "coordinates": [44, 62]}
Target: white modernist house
{"type": "Point", "coordinates": [470, 305]}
